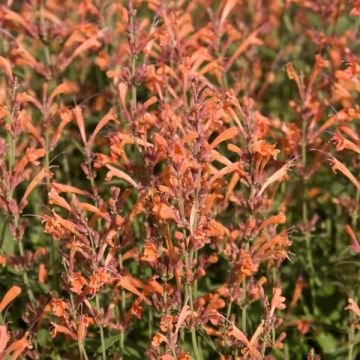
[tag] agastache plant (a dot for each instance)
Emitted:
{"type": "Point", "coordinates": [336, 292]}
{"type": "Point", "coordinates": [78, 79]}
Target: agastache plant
{"type": "Point", "coordinates": [179, 179]}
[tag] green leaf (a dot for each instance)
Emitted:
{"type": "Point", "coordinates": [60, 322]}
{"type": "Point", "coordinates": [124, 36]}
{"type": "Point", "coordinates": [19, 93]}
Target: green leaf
{"type": "Point", "coordinates": [132, 353]}
{"type": "Point", "coordinates": [109, 341]}
{"type": "Point", "coordinates": [327, 342]}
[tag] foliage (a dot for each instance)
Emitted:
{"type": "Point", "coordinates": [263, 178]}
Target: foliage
{"type": "Point", "coordinates": [179, 179]}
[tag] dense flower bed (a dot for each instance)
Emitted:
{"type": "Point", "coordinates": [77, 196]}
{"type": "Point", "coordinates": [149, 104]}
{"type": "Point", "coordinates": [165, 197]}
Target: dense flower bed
{"type": "Point", "coordinates": [179, 179]}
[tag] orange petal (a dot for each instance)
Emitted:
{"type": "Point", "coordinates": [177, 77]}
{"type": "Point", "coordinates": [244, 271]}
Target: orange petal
{"type": "Point", "coordinates": [80, 122]}
{"type": "Point", "coordinates": [120, 174]}
{"type": "Point", "coordinates": [11, 294]}
{"type": "Point", "coordinates": [5, 66]}
{"type": "Point", "coordinates": [35, 182]}
{"type": "Point", "coordinates": [225, 135]}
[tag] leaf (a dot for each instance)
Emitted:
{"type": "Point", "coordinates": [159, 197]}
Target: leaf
{"type": "Point", "coordinates": [132, 353]}
{"type": "Point", "coordinates": [109, 342]}
{"type": "Point", "coordinates": [327, 342]}
{"type": "Point", "coordinates": [8, 244]}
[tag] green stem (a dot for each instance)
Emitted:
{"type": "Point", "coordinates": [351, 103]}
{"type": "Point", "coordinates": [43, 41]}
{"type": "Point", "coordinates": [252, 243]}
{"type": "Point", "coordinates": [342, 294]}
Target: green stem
{"type": "Point", "coordinates": [305, 217]}
{"type": "Point", "coordinates": [150, 322]}
{"type": "Point", "coordinates": [46, 164]}
{"type": "Point", "coordinates": [92, 242]}
{"type": "Point", "coordinates": [195, 345]}
{"type": "Point", "coordinates": [122, 313]}
{"type": "Point", "coordinates": [83, 352]}
{"type": "Point", "coordinates": [354, 217]}
{"type": "Point", "coordinates": [42, 26]}
{"type": "Point", "coordinates": [244, 309]}
{"type": "Point", "coordinates": [189, 295]}
{"type": "Point", "coordinates": [228, 312]}
{"type": "Point", "coordinates": [193, 332]}
{"type": "Point", "coordinates": [192, 255]}
{"type": "Point", "coordinates": [133, 59]}
{"type": "Point", "coordinates": [351, 331]}
{"type": "Point", "coordinates": [12, 156]}
{"type": "Point", "coordinates": [101, 330]}
{"type": "Point", "coordinates": [25, 277]}
{"type": "Point", "coordinates": [351, 338]}
{"type": "Point", "coordinates": [2, 233]}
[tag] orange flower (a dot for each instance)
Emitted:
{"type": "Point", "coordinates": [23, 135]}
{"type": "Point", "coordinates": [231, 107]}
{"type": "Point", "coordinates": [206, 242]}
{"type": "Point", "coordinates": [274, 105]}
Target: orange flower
{"type": "Point", "coordinates": [150, 254]}
{"type": "Point", "coordinates": [247, 267]}
{"type": "Point", "coordinates": [277, 301]}
{"type": "Point", "coordinates": [158, 339]}
{"type": "Point", "coordinates": [9, 297]}
{"type": "Point", "coordinates": [5, 66]}
{"type": "Point", "coordinates": [59, 307]}
{"type": "Point", "coordinates": [262, 148]}
{"type": "Point", "coordinates": [353, 306]}
{"type": "Point", "coordinates": [77, 282]}
{"type": "Point", "coordinates": [164, 211]}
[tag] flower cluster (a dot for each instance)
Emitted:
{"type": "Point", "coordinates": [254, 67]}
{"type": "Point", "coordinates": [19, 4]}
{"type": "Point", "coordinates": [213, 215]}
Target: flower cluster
{"type": "Point", "coordinates": [166, 184]}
